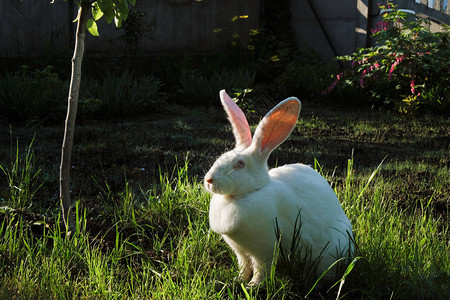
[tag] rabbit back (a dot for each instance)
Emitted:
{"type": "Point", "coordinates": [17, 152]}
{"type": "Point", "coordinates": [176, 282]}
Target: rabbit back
{"type": "Point", "coordinates": [324, 222]}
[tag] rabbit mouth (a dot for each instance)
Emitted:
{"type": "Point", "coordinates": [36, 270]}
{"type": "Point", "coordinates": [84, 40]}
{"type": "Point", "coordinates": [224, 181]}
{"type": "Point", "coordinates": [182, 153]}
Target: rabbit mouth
{"type": "Point", "coordinates": [208, 182]}
{"type": "Point", "coordinates": [209, 187]}
{"type": "Point", "coordinates": [214, 186]}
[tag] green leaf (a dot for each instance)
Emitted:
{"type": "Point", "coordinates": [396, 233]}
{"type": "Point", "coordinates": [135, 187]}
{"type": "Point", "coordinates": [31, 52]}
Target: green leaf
{"type": "Point", "coordinates": [97, 13]}
{"type": "Point", "coordinates": [118, 21]}
{"type": "Point", "coordinates": [109, 15]}
{"type": "Point", "coordinates": [124, 10]}
{"type": "Point", "coordinates": [105, 5]}
{"type": "Point", "coordinates": [133, 2]}
{"type": "Point", "coordinates": [91, 26]}
{"type": "Point", "coordinates": [247, 295]}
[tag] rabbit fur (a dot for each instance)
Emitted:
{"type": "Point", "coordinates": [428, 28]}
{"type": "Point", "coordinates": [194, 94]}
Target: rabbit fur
{"type": "Point", "coordinates": [247, 198]}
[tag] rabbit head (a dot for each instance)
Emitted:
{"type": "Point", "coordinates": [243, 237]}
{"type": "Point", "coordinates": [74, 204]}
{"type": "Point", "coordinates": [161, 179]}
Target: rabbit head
{"type": "Point", "coordinates": [244, 169]}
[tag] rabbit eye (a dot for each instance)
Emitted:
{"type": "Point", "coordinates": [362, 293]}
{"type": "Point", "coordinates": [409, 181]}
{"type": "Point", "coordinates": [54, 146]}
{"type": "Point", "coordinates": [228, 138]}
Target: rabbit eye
{"type": "Point", "coordinates": [239, 165]}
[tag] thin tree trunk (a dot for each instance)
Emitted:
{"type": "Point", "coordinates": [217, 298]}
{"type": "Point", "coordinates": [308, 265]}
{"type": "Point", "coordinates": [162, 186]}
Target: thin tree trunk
{"type": "Point", "coordinates": [66, 152]}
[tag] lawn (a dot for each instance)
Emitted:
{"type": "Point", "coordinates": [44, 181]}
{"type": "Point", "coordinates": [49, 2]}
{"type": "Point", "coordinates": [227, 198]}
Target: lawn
{"type": "Point", "coordinates": [143, 232]}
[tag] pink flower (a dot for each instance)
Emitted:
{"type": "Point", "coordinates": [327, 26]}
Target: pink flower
{"type": "Point", "coordinates": [333, 85]}
{"type": "Point", "coordinates": [412, 85]}
{"type": "Point", "coordinates": [361, 80]}
{"type": "Point", "coordinates": [397, 61]}
{"type": "Point", "coordinates": [380, 26]}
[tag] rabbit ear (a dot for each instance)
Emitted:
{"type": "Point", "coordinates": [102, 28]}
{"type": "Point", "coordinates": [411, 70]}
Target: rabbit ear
{"type": "Point", "coordinates": [275, 127]}
{"type": "Point", "coordinates": [241, 130]}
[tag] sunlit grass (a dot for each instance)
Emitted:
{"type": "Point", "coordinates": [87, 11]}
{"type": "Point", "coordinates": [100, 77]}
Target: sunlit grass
{"type": "Point", "coordinates": [22, 175]}
{"type": "Point", "coordinates": [404, 250]}
{"type": "Point", "coordinates": [158, 245]}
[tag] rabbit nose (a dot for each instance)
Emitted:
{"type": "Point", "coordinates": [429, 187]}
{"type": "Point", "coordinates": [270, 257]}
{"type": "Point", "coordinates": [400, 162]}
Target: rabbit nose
{"type": "Point", "coordinates": [210, 180]}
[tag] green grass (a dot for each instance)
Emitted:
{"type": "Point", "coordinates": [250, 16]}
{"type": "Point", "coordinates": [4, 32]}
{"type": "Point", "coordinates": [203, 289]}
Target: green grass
{"type": "Point", "coordinates": [162, 248]}
{"type": "Point", "coordinates": [146, 235]}
{"type": "Point", "coordinates": [22, 178]}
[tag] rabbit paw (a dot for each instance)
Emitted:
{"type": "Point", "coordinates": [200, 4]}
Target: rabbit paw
{"type": "Point", "coordinates": [244, 275]}
{"type": "Point", "coordinates": [257, 278]}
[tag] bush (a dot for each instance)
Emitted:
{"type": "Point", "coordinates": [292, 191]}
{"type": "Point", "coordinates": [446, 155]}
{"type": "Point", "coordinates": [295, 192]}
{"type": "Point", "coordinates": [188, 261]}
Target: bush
{"type": "Point", "coordinates": [121, 95]}
{"type": "Point", "coordinates": [281, 68]}
{"type": "Point", "coordinates": [285, 70]}
{"type": "Point", "coordinates": [303, 76]}
{"type": "Point", "coordinates": [408, 68]}
{"type": "Point", "coordinates": [39, 95]}
{"type": "Point", "coordinates": [32, 95]}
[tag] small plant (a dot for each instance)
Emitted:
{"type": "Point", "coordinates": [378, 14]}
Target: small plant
{"type": "Point", "coordinates": [135, 30]}
{"type": "Point", "coordinates": [408, 68]}
{"type": "Point", "coordinates": [89, 105]}
{"type": "Point", "coordinates": [198, 88]}
{"type": "Point", "coordinates": [243, 100]}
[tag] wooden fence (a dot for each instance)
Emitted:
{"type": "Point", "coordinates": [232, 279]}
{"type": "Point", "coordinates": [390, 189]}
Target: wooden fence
{"type": "Point", "coordinates": [439, 5]}
{"type": "Point", "coordinates": [330, 27]}
{"type": "Point", "coordinates": [188, 26]}
{"type": "Point", "coordinates": [435, 11]}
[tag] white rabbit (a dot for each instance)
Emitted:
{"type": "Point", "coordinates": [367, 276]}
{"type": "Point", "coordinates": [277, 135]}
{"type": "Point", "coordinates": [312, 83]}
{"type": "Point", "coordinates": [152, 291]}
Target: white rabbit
{"type": "Point", "coordinates": [248, 198]}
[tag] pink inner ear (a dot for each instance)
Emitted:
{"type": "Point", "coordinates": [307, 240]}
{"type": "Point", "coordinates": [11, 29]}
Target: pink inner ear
{"type": "Point", "coordinates": [241, 129]}
{"type": "Point", "coordinates": [279, 125]}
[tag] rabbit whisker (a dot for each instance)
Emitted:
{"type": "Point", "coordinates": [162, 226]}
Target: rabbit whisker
{"type": "Point", "coordinates": [231, 171]}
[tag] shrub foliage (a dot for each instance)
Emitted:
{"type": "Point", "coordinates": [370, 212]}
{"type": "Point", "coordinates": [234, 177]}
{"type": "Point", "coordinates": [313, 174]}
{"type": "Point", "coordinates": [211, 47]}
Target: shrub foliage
{"type": "Point", "coordinates": [408, 68]}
